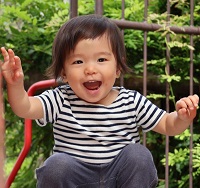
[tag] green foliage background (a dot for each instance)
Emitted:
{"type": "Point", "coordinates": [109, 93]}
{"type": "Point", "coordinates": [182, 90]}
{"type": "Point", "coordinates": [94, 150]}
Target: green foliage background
{"type": "Point", "coordinates": [29, 27]}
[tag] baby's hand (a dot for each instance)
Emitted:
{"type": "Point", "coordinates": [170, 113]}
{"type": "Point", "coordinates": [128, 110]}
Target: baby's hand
{"type": "Point", "coordinates": [187, 107]}
{"type": "Point", "coordinates": [11, 67]}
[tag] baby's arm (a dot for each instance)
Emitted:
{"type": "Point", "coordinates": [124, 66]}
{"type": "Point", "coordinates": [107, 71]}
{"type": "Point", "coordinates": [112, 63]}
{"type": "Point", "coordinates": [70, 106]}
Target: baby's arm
{"type": "Point", "coordinates": [176, 122]}
{"type": "Point", "coordinates": [22, 105]}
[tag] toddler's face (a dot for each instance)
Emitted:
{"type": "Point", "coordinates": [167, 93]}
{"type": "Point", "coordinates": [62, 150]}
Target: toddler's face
{"type": "Point", "coordinates": [91, 71]}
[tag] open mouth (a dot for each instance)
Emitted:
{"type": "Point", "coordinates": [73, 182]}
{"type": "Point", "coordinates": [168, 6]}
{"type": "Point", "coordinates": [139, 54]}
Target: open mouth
{"type": "Point", "coordinates": [92, 85]}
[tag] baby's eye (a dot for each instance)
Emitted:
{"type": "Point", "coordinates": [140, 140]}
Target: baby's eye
{"type": "Point", "coordinates": [101, 59]}
{"type": "Point", "coordinates": [78, 62]}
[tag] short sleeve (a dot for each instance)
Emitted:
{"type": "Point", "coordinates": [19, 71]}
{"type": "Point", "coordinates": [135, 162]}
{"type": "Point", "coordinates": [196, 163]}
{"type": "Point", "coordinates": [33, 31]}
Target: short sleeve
{"type": "Point", "coordinates": [49, 104]}
{"type": "Point", "coordinates": [148, 114]}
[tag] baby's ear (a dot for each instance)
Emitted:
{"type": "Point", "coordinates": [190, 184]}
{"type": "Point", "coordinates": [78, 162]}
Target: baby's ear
{"type": "Point", "coordinates": [118, 73]}
{"type": "Point", "coordinates": [63, 76]}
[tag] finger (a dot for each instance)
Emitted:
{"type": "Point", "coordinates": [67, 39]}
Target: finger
{"type": "Point", "coordinates": [5, 54]}
{"type": "Point", "coordinates": [186, 113]}
{"type": "Point", "coordinates": [18, 63]}
{"type": "Point", "coordinates": [8, 55]}
{"type": "Point", "coordinates": [194, 99]}
{"type": "Point", "coordinates": [180, 104]}
{"type": "Point", "coordinates": [189, 102]}
{"type": "Point", "coordinates": [197, 99]}
{"type": "Point", "coordinates": [11, 56]}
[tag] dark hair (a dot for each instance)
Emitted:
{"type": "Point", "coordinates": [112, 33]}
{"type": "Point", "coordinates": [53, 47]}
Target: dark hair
{"type": "Point", "coordinates": [85, 27]}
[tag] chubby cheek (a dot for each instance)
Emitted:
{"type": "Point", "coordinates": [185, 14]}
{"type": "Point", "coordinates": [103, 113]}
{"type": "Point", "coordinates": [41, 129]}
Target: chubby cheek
{"type": "Point", "coordinates": [73, 79]}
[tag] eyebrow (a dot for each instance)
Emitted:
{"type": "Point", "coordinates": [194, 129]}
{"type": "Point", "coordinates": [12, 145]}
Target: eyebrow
{"type": "Point", "coordinates": [104, 53]}
{"type": "Point", "coordinates": [98, 53]}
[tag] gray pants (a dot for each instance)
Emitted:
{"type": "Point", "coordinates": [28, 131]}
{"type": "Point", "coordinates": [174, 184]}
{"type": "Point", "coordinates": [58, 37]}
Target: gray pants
{"type": "Point", "coordinates": [133, 167]}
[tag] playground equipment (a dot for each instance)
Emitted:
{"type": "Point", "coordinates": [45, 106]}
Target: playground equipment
{"type": "Point", "coordinates": [28, 130]}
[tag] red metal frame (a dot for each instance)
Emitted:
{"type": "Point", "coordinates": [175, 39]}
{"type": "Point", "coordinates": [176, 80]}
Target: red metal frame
{"type": "Point", "coordinates": [28, 130]}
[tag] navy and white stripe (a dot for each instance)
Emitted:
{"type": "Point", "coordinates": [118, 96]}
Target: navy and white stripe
{"type": "Point", "coordinates": [96, 133]}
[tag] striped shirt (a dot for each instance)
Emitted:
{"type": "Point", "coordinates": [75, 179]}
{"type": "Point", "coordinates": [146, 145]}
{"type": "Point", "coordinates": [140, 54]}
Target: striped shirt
{"type": "Point", "coordinates": [96, 133]}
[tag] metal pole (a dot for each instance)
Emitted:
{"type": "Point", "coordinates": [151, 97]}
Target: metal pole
{"type": "Point", "coordinates": [122, 18]}
{"type": "Point", "coordinates": [99, 7]}
{"type": "Point", "coordinates": [167, 99]}
{"type": "Point", "coordinates": [191, 91]}
{"type": "Point", "coordinates": [145, 61]}
{"type": "Point", "coordinates": [73, 8]}
{"type": "Point", "coordinates": [125, 24]}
